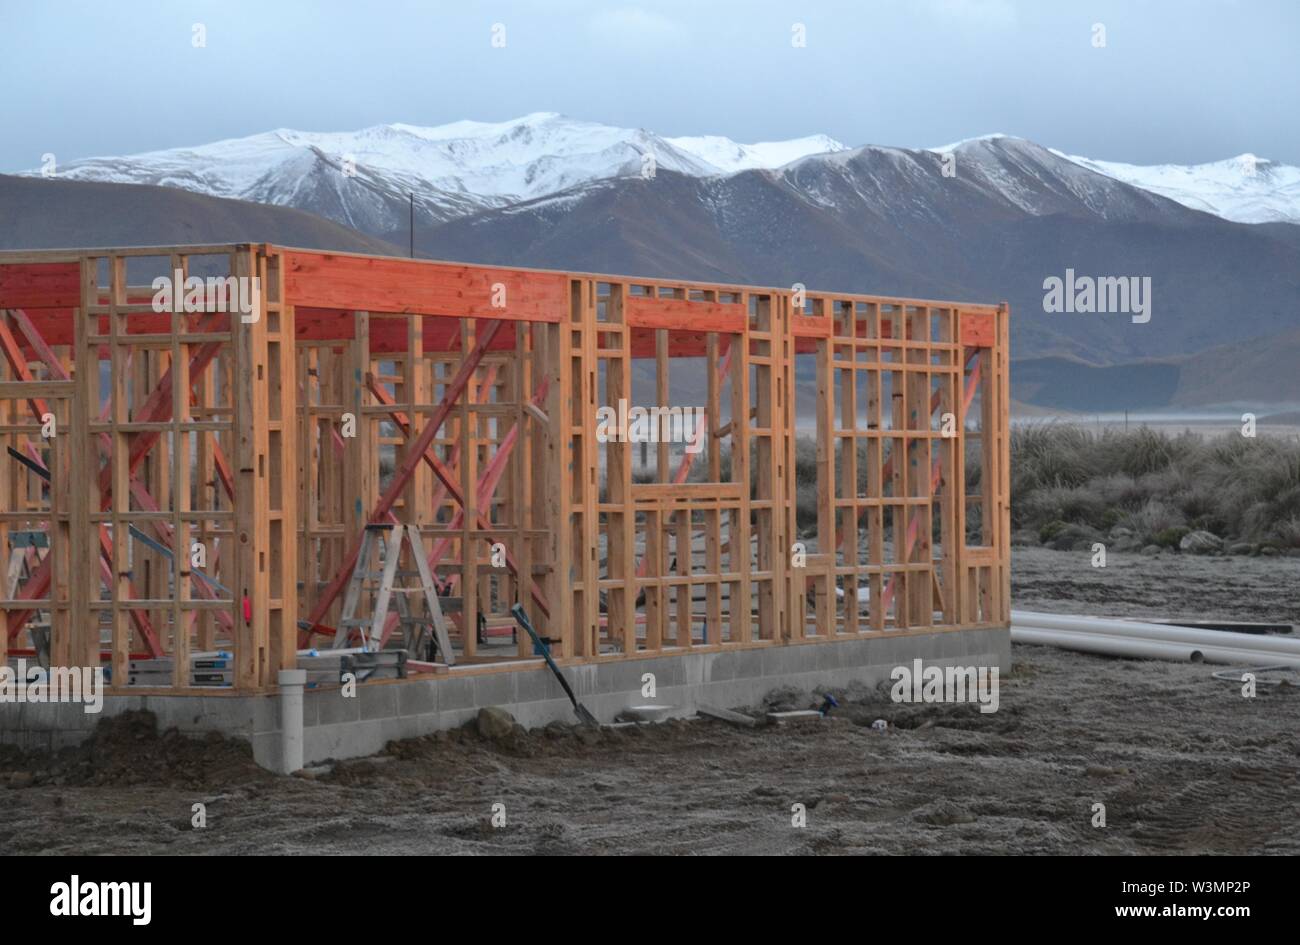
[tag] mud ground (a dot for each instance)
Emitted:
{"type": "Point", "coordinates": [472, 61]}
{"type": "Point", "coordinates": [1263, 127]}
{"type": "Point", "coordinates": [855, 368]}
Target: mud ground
{"type": "Point", "coordinates": [1182, 762]}
{"type": "Point", "coordinates": [1176, 586]}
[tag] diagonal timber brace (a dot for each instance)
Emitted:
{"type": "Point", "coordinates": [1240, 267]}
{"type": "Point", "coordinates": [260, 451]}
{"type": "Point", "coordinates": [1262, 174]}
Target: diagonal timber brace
{"type": "Point", "coordinates": [138, 491]}
{"type": "Point", "coordinates": [486, 489]}
{"type": "Point", "coordinates": [403, 473]}
{"type": "Point", "coordinates": [39, 581]}
{"type": "Point", "coordinates": [158, 407]}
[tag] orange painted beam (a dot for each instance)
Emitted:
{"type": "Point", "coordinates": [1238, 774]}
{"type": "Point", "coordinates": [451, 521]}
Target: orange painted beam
{"type": "Point", "coordinates": [681, 344]}
{"type": "Point", "coordinates": [387, 333]}
{"type": "Point", "coordinates": [382, 284]}
{"type": "Point", "coordinates": [643, 311]}
{"type": "Point", "coordinates": [811, 326]}
{"type": "Point", "coordinates": [978, 329]}
{"type": "Point", "coordinates": [40, 285]}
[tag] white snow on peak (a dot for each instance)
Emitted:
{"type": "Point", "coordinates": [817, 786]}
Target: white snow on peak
{"type": "Point", "coordinates": [484, 163]}
{"type": "Point", "coordinates": [944, 149]}
{"type": "Point", "coordinates": [729, 157]}
{"type": "Point", "coordinates": [466, 166]}
{"type": "Point", "coordinates": [1245, 188]}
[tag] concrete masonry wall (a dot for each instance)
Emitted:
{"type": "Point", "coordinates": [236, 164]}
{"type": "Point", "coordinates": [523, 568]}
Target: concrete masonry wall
{"type": "Point", "coordinates": [338, 727]}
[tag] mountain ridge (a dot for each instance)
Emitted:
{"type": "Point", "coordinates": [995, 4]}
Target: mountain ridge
{"type": "Point", "coordinates": [986, 219]}
{"type": "Point", "coordinates": [877, 223]}
{"type": "Point", "coordinates": [467, 166]}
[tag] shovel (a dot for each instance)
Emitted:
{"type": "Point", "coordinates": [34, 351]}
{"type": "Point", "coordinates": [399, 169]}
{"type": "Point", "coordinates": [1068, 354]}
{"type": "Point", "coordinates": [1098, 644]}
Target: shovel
{"type": "Point", "coordinates": [578, 708]}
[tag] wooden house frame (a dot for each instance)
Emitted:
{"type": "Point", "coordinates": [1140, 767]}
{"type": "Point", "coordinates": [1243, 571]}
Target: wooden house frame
{"type": "Point", "coordinates": [469, 396]}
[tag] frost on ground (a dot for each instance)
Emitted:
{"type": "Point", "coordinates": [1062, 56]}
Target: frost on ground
{"type": "Point", "coordinates": [1182, 762]}
{"type": "Point", "coordinates": [1167, 585]}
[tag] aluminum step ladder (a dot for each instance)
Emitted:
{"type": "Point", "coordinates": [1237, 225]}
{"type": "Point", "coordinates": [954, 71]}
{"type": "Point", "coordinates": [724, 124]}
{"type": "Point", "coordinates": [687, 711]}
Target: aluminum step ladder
{"type": "Point", "coordinates": [417, 628]}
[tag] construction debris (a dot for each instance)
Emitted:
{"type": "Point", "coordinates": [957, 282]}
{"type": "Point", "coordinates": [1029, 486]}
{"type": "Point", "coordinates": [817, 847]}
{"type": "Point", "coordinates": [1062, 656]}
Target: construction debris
{"type": "Point", "coordinates": [799, 715]}
{"type": "Point", "coordinates": [646, 713]}
{"type": "Point", "coordinates": [206, 669]}
{"type": "Point", "coordinates": [726, 715]}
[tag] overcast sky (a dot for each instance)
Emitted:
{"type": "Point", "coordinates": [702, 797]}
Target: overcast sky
{"type": "Point", "coordinates": [1183, 81]}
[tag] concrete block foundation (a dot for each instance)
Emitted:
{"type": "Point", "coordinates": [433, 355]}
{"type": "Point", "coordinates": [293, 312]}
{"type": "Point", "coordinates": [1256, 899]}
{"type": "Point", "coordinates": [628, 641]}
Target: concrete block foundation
{"type": "Point", "coordinates": [336, 727]}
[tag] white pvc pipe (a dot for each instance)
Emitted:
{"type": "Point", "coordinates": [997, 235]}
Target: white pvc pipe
{"type": "Point", "coordinates": [1139, 648]}
{"type": "Point", "coordinates": [291, 743]}
{"type": "Point", "coordinates": [1264, 643]}
{"type": "Point", "coordinates": [1105, 645]}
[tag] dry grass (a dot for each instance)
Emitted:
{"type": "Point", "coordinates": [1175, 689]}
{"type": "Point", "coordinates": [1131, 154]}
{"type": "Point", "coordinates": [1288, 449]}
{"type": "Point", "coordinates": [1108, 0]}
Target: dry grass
{"type": "Point", "coordinates": [1156, 484]}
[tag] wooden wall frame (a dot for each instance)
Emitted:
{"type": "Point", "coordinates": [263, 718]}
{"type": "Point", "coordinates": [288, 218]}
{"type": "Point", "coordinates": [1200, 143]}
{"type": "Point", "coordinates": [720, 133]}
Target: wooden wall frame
{"type": "Point", "coordinates": [470, 397]}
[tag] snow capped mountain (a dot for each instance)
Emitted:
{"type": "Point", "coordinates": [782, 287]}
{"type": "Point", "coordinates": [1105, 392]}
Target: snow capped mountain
{"type": "Point", "coordinates": [1245, 189]}
{"type": "Point", "coordinates": [363, 178]}
{"type": "Point", "coordinates": [452, 169]}
{"type": "Point", "coordinates": [729, 157]}
{"type": "Point", "coordinates": [986, 218]}
{"type": "Point", "coordinates": [1012, 176]}
{"type": "Point", "coordinates": [946, 148]}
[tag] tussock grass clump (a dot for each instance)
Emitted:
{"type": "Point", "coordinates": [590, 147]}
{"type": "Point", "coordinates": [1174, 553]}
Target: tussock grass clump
{"type": "Point", "coordinates": [1155, 485]}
